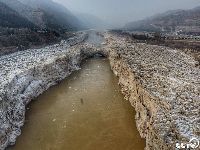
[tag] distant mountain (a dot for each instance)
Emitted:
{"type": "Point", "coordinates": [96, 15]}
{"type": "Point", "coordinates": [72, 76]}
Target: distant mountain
{"type": "Point", "coordinates": [180, 20]}
{"type": "Point", "coordinates": [43, 19]}
{"type": "Point", "coordinates": [12, 19]}
{"type": "Point", "coordinates": [18, 6]}
{"type": "Point", "coordinates": [91, 21]}
{"type": "Point", "coordinates": [159, 15]}
{"type": "Point", "coordinates": [62, 16]}
{"type": "Point", "coordinates": [45, 14]}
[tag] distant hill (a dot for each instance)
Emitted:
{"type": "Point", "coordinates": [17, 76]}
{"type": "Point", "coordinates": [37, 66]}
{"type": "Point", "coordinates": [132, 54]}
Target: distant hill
{"type": "Point", "coordinates": [43, 19]}
{"type": "Point", "coordinates": [91, 21]}
{"type": "Point", "coordinates": [18, 6]}
{"type": "Point", "coordinates": [12, 19]}
{"type": "Point", "coordinates": [62, 16]}
{"type": "Point", "coordinates": [37, 16]}
{"type": "Point", "coordinates": [45, 14]}
{"type": "Point", "coordinates": [182, 20]}
{"type": "Point", "coordinates": [159, 15]}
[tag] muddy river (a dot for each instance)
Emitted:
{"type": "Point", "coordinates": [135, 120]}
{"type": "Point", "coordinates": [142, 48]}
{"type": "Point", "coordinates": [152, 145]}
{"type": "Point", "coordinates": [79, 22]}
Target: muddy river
{"type": "Point", "coordinates": [86, 111]}
{"type": "Point", "coordinates": [95, 39]}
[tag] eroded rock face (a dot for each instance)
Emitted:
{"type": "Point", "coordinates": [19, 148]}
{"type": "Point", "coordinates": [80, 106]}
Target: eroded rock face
{"type": "Point", "coordinates": [25, 75]}
{"type": "Point", "coordinates": [164, 87]}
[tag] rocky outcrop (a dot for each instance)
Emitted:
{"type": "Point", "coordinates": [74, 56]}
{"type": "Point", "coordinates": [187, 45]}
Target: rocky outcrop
{"type": "Point", "coordinates": [25, 75]}
{"type": "Point", "coordinates": [163, 86]}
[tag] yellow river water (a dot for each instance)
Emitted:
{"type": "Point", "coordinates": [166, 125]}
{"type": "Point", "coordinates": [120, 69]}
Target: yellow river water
{"type": "Point", "coordinates": [86, 111]}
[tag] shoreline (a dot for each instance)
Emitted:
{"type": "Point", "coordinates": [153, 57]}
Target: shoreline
{"type": "Point", "coordinates": [161, 84]}
{"type": "Point", "coordinates": [27, 74]}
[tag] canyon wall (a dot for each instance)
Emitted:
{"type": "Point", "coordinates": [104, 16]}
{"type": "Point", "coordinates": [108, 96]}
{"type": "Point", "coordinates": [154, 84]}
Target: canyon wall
{"type": "Point", "coordinates": [25, 75]}
{"type": "Point", "coordinates": [163, 86]}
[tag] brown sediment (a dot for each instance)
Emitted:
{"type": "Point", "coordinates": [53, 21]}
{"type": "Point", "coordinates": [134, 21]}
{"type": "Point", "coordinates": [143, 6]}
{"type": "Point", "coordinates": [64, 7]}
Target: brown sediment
{"type": "Point", "coordinates": [59, 120]}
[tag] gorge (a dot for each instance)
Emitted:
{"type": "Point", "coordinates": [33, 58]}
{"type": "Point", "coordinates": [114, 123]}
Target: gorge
{"type": "Point", "coordinates": [162, 84]}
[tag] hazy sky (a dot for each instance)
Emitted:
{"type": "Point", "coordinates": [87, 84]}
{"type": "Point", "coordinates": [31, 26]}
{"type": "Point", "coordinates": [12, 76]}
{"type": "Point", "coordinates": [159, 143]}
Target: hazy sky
{"type": "Point", "coordinates": [117, 12]}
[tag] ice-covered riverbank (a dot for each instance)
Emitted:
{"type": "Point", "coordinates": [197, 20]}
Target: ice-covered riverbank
{"type": "Point", "coordinates": [163, 86]}
{"type": "Point", "coordinates": [25, 75]}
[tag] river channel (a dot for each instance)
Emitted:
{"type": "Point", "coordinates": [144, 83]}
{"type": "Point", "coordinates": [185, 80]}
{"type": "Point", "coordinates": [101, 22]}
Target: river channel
{"type": "Point", "coordinates": [86, 111]}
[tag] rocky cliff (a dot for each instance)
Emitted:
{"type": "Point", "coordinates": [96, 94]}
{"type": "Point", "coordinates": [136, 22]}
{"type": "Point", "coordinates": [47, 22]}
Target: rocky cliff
{"type": "Point", "coordinates": [25, 75]}
{"type": "Point", "coordinates": [163, 86]}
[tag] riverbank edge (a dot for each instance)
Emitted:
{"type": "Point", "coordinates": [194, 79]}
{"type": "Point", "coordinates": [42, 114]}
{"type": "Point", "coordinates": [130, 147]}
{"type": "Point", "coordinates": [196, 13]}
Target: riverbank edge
{"type": "Point", "coordinates": [22, 88]}
{"type": "Point", "coordinates": [133, 92]}
{"type": "Point", "coordinates": [146, 105]}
